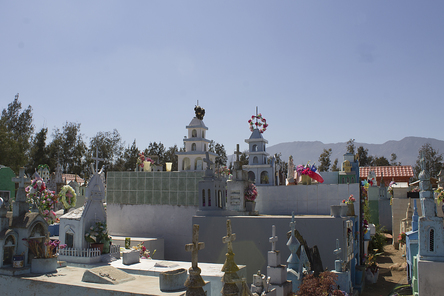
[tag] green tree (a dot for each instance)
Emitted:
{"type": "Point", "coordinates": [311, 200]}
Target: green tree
{"type": "Point", "coordinates": [334, 167]}
{"type": "Point", "coordinates": [351, 146]}
{"type": "Point", "coordinates": [433, 160]}
{"type": "Point", "coordinates": [39, 151]}
{"type": "Point", "coordinates": [156, 150]}
{"type": "Point", "coordinates": [363, 157]}
{"type": "Point", "coordinates": [380, 161]}
{"type": "Point", "coordinates": [324, 160]}
{"type": "Point", "coordinates": [393, 160]}
{"type": "Point", "coordinates": [219, 149]}
{"type": "Point", "coordinates": [171, 156]}
{"type": "Point", "coordinates": [110, 148]}
{"type": "Point", "coordinates": [130, 157]}
{"type": "Point", "coordinates": [16, 132]}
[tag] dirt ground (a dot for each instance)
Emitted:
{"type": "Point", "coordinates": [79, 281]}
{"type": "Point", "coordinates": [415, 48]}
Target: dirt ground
{"type": "Point", "coordinates": [391, 273]}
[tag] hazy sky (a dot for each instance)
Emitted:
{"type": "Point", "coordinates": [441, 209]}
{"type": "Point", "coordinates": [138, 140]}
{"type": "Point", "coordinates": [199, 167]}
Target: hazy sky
{"type": "Point", "coordinates": [317, 70]}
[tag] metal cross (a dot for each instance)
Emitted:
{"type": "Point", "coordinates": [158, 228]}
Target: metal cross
{"type": "Point", "coordinates": [273, 239]}
{"type": "Point", "coordinates": [195, 246]}
{"type": "Point", "coordinates": [338, 250]}
{"type": "Point", "coordinates": [97, 159]}
{"type": "Point", "coordinates": [230, 238]}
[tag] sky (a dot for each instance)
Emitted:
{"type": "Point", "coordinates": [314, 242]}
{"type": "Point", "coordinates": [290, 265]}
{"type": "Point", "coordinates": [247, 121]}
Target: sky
{"type": "Point", "coordinates": [317, 70]}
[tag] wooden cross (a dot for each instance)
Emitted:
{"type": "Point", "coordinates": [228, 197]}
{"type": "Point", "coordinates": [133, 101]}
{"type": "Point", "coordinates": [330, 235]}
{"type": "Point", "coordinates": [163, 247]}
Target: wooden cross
{"type": "Point", "coordinates": [338, 250]}
{"type": "Point", "coordinates": [195, 246]}
{"type": "Point", "coordinates": [230, 238]}
{"type": "Point", "coordinates": [97, 159]}
{"type": "Point", "coordinates": [237, 152]}
{"type": "Point", "coordinates": [273, 239]}
{"type": "Point", "coordinates": [292, 223]}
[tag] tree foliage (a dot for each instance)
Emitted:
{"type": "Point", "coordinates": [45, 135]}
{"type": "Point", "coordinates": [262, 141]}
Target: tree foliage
{"type": "Point", "coordinates": [171, 156]}
{"type": "Point", "coordinates": [39, 152]}
{"type": "Point", "coordinates": [324, 284]}
{"type": "Point", "coordinates": [380, 161]}
{"type": "Point", "coordinates": [156, 151]}
{"type": "Point", "coordinates": [324, 160]}
{"type": "Point", "coordinates": [109, 146]}
{"type": "Point", "coordinates": [219, 149]}
{"type": "Point", "coordinates": [351, 146]}
{"type": "Point", "coordinates": [335, 167]}
{"type": "Point", "coordinates": [433, 160]}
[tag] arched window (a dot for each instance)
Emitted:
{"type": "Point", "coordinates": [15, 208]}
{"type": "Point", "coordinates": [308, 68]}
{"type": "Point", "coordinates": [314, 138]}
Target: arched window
{"type": "Point", "coordinates": [9, 250]}
{"type": "Point", "coordinates": [264, 177]}
{"type": "Point", "coordinates": [432, 240]}
{"type": "Point", "coordinates": [186, 166]}
{"type": "Point", "coordinates": [254, 148]}
{"type": "Point", "coordinates": [198, 164]}
{"type": "Point", "coordinates": [193, 147]}
{"type": "Point", "coordinates": [203, 197]}
{"type": "Point", "coordinates": [251, 176]}
{"type": "Point", "coordinates": [209, 197]}
{"type": "Point", "coordinates": [193, 133]}
{"type": "Point", "coordinates": [255, 159]}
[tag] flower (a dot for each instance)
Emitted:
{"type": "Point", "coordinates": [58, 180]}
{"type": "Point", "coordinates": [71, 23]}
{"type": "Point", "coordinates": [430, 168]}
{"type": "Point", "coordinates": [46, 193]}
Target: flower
{"type": "Point", "coordinates": [98, 234]}
{"type": "Point", "coordinates": [45, 200]}
{"type": "Point", "coordinates": [401, 238]}
{"type": "Point", "coordinates": [46, 249]}
{"type": "Point", "coordinates": [144, 252]}
{"type": "Point", "coordinates": [143, 158]}
{"type": "Point", "coordinates": [261, 123]}
{"type": "Point", "coordinates": [250, 192]}
{"type": "Point", "coordinates": [350, 200]}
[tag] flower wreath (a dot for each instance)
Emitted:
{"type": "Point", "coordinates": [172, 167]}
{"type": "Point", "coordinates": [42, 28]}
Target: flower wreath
{"type": "Point", "coordinates": [261, 123]}
{"type": "Point", "coordinates": [68, 197]}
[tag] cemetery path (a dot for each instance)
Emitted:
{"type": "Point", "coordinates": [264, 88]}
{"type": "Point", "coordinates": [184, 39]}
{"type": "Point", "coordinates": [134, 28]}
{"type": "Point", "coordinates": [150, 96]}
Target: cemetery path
{"type": "Point", "coordinates": [391, 274]}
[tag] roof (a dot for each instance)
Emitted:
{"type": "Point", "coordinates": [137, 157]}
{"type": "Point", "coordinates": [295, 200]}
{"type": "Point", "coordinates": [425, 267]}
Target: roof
{"type": "Point", "coordinates": [388, 171]}
{"type": "Point", "coordinates": [72, 177]}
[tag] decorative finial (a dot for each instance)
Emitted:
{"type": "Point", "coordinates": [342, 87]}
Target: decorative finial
{"type": "Point", "coordinates": [200, 112]}
{"type": "Point", "coordinates": [258, 122]}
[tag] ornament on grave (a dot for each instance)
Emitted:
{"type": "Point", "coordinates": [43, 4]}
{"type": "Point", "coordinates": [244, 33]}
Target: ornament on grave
{"type": "Point", "coordinates": [199, 111]}
{"type": "Point", "coordinates": [230, 268]}
{"type": "Point", "coordinates": [290, 172]}
{"type": "Point", "coordinates": [258, 122]}
{"type": "Point", "coordinates": [194, 282]}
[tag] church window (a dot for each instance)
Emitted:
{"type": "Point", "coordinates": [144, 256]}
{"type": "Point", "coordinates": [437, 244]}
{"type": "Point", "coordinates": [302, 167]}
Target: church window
{"type": "Point", "coordinates": [186, 164]}
{"type": "Point", "coordinates": [69, 240]}
{"type": "Point", "coordinates": [264, 177]}
{"type": "Point", "coordinates": [254, 149]}
{"type": "Point", "coordinates": [203, 197]}
{"type": "Point", "coordinates": [432, 240]}
{"type": "Point", "coordinates": [251, 176]}
{"type": "Point", "coordinates": [9, 250]}
{"type": "Point", "coordinates": [198, 164]}
{"type": "Point", "coordinates": [193, 133]}
{"type": "Point", "coordinates": [209, 197]}
{"type": "Point", "coordinates": [193, 147]}
{"type": "Point", "coordinates": [255, 159]}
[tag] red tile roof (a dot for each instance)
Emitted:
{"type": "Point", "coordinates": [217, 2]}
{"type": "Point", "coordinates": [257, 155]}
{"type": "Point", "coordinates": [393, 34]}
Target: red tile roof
{"type": "Point", "coordinates": [72, 177]}
{"type": "Point", "coordinates": [388, 171]}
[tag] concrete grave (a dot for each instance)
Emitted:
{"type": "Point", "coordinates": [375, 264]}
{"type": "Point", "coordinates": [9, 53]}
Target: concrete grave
{"type": "Point", "coordinates": [106, 275]}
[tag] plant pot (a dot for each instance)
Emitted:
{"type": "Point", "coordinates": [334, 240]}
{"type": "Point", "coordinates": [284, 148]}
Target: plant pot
{"type": "Point", "coordinates": [18, 261]}
{"type": "Point", "coordinates": [371, 277]}
{"type": "Point", "coordinates": [147, 166]}
{"type": "Point", "coordinates": [344, 210]}
{"type": "Point", "coordinates": [351, 210]}
{"type": "Point", "coordinates": [44, 265]}
{"type": "Point", "coordinates": [335, 211]}
{"type": "Point", "coordinates": [97, 246]}
{"type": "Point", "coordinates": [250, 206]}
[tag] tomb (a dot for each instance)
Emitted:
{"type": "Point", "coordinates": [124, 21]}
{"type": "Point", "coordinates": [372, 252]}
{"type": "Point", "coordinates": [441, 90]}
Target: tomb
{"type": "Point", "coordinates": [7, 186]}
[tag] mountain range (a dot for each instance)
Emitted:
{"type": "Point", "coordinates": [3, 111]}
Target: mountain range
{"type": "Point", "coordinates": [406, 150]}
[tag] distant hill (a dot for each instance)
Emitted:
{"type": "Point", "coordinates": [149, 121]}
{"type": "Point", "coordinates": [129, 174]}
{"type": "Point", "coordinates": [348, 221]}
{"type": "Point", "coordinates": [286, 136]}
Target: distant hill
{"type": "Point", "coordinates": [406, 150]}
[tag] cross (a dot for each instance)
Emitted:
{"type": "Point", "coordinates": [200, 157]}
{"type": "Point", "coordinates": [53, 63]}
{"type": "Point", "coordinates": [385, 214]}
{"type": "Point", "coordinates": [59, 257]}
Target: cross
{"type": "Point", "coordinates": [195, 246]}
{"type": "Point", "coordinates": [97, 159]}
{"type": "Point", "coordinates": [21, 179]}
{"type": "Point", "coordinates": [273, 239]}
{"type": "Point", "coordinates": [230, 238]}
{"type": "Point", "coordinates": [338, 250]}
{"type": "Point", "coordinates": [292, 223]}
{"type": "Point", "coordinates": [208, 161]}
{"type": "Point", "coordinates": [237, 152]}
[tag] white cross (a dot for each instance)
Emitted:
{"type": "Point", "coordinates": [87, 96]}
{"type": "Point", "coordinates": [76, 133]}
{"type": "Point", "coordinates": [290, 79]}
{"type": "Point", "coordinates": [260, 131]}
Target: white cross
{"type": "Point", "coordinates": [230, 238]}
{"type": "Point", "coordinates": [195, 246]}
{"type": "Point", "coordinates": [338, 250]}
{"type": "Point", "coordinates": [292, 223]}
{"type": "Point", "coordinates": [97, 159]}
{"type": "Point", "coordinates": [273, 239]}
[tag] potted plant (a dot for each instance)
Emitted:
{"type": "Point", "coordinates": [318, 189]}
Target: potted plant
{"type": "Point", "coordinates": [371, 267]}
{"type": "Point", "coordinates": [250, 195]}
{"type": "Point", "coordinates": [45, 254]}
{"type": "Point", "coordinates": [350, 207]}
{"type": "Point", "coordinates": [98, 237]}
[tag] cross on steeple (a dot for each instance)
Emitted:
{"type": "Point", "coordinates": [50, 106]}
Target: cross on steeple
{"type": "Point", "coordinates": [195, 246]}
{"type": "Point", "coordinates": [338, 250]}
{"type": "Point", "coordinates": [273, 239]}
{"type": "Point", "coordinates": [97, 159]}
{"type": "Point", "coordinates": [229, 238]}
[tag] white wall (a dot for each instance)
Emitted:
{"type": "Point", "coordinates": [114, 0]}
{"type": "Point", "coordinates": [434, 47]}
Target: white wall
{"type": "Point", "coordinates": [172, 223]}
{"type": "Point", "coordinates": [304, 199]}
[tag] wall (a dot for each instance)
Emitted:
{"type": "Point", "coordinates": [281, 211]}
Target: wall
{"type": "Point", "coordinates": [172, 223]}
{"type": "Point", "coordinates": [304, 199]}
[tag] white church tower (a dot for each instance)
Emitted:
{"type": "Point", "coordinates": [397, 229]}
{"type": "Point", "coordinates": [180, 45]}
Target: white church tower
{"type": "Point", "coordinates": [259, 171]}
{"type": "Point", "coordinates": [196, 145]}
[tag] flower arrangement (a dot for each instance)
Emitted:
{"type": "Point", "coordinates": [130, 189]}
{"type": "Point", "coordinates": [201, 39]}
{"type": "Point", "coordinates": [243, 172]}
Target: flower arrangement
{"type": "Point", "coordinates": [440, 194]}
{"type": "Point", "coordinates": [143, 158]}
{"type": "Point", "coordinates": [45, 200]}
{"type": "Point", "coordinates": [67, 196]}
{"type": "Point", "coordinates": [144, 252]}
{"type": "Point", "coordinates": [401, 238]}
{"type": "Point", "coordinates": [223, 171]}
{"type": "Point", "coordinates": [390, 190]}
{"type": "Point", "coordinates": [48, 251]}
{"type": "Point", "coordinates": [98, 233]}
{"type": "Point", "coordinates": [350, 200]}
{"type": "Point", "coordinates": [250, 193]}
{"type": "Point", "coordinates": [261, 123]}
{"type": "Point", "coordinates": [309, 170]}
{"type": "Point", "coordinates": [370, 262]}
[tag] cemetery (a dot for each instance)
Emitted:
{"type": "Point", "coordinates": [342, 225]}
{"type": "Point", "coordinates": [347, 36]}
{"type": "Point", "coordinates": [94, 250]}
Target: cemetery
{"type": "Point", "coordinates": [254, 230]}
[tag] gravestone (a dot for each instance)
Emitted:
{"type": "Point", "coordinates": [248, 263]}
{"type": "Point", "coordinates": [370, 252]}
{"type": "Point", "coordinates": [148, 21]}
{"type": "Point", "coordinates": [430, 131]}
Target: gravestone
{"type": "Point", "coordinates": [194, 282]}
{"type": "Point", "coordinates": [343, 276]}
{"type": "Point", "coordinates": [106, 275]}
{"type": "Point", "coordinates": [294, 270]}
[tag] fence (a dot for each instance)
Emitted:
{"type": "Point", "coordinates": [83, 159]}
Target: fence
{"type": "Point", "coordinates": [79, 253]}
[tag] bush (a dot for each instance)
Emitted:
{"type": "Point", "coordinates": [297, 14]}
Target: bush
{"type": "Point", "coordinates": [323, 285]}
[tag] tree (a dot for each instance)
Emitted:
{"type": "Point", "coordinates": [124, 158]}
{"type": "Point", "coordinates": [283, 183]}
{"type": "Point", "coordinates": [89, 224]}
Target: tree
{"type": "Point", "coordinates": [68, 148]}
{"type": "Point", "coordinates": [130, 157]}
{"type": "Point", "coordinates": [16, 131]}
{"type": "Point", "coordinates": [171, 156]}
{"type": "Point", "coordinates": [39, 151]}
{"type": "Point", "coordinates": [380, 161]}
{"type": "Point", "coordinates": [244, 159]}
{"type": "Point", "coordinates": [219, 149]}
{"type": "Point", "coordinates": [109, 146]}
{"type": "Point", "coordinates": [324, 160]}
{"type": "Point", "coordinates": [334, 167]}
{"type": "Point", "coordinates": [433, 160]}
{"type": "Point", "coordinates": [363, 157]}
{"type": "Point", "coordinates": [154, 150]}
{"type": "Point", "coordinates": [351, 146]}
{"type": "Point", "coordinates": [283, 165]}
{"type": "Point", "coordinates": [393, 160]}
